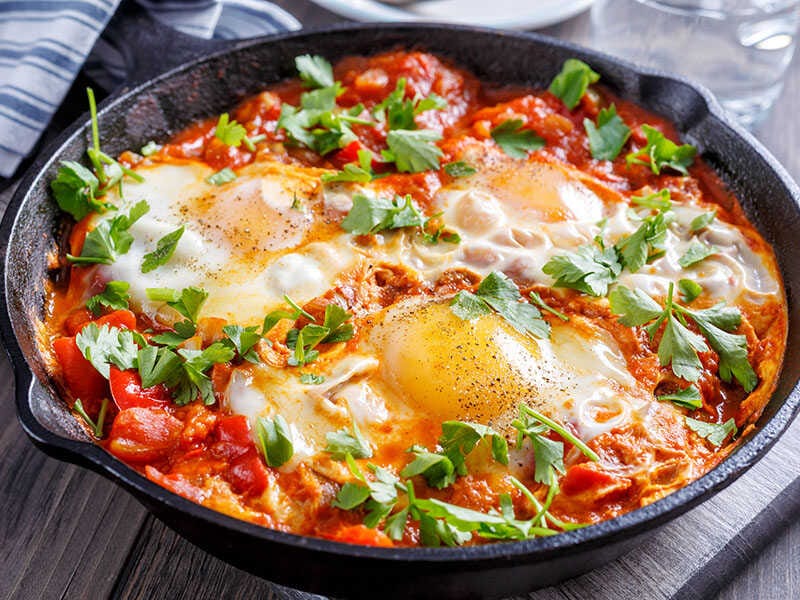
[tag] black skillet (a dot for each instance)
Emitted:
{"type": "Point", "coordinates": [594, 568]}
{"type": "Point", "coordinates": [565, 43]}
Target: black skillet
{"type": "Point", "coordinates": [210, 85]}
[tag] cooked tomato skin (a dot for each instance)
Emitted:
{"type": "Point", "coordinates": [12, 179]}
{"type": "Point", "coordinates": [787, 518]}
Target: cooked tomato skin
{"type": "Point", "coordinates": [80, 377]}
{"type": "Point", "coordinates": [144, 435]}
{"type": "Point", "coordinates": [361, 535]}
{"type": "Point", "coordinates": [127, 390]}
{"type": "Point", "coordinates": [246, 472]}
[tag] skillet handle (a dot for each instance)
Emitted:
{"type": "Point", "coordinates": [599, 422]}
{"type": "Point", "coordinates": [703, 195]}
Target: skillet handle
{"type": "Point", "coordinates": [150, 48]}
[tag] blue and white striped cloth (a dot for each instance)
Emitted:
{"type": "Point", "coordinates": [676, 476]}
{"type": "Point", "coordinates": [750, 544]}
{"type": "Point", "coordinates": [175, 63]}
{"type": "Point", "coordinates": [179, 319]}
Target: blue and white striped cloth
{"type": "Point", "coordinates": [45, 43]}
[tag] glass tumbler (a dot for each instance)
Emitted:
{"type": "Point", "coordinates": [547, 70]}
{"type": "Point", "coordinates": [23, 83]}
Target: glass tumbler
{"type": "Point", "coordinates": [739, 49]}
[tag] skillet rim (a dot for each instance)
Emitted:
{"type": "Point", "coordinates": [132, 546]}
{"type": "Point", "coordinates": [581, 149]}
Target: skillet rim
{"type": "Point", "coordinates": [626, 526]}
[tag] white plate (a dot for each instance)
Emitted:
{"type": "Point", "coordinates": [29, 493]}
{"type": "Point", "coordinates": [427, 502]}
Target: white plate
{"type": "Point", "coordinates": [516, 14]}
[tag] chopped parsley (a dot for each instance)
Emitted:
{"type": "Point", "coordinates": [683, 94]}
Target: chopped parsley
{"type": "Point", "coordinates": [702, 221]}
{"type": "Point", "coordinates": [303, 342]}
{"type": "Point", "coordinates": [352, 172]}
{"type": "Point", "coordinates": [149, 148]}
{"type": "Point", "coordinates": [689, 290]}
{"type": "Point", "coordinates": [696, 253]}
{"type": "Point", "coordinates": [221, 177]}
{"type": "Point", "coordinates": [274, 317]}
{"type": "Point", "coordinates": [687, 398]}
{"type": "Point", "coordinates": [311, 379]}
{"type": "Point", "coordinates": [244, 340]}
{"type": "Point", "coordinates": [115, 296]}
{"type": "Point", "coordinates": [274, 440]}
{"type": "Point", "coordinates": [315, 71]}
{"type": "Point", "coordinates": [342, 442]}
{"type": "Point", "coordinates": [537, 300]}
{"type": "Point", "coordinates": [187, 301]}
{"type": "Point", "coordinates": [715, 433]}
{"type": "Point", "coordinates": [165, 248]}
{"type": "Point", "coordinates": [659, 200]}
{"type": "Point", "coordinates": [660, 152]}
{"type": "Point", "coordinates": [645, 244]}
{"type": "Point", "coordinates": [398, 112]}
{"type": "Point", "coordinates": [514, 140]}
{"type": "Point", "coordinates": [571, 83]}
{"type": "Point", "coordinates": [608, 136]}
{"type": "Point", "coordinates": [459, 169]}
{"type": "Point", "coordinates": [97, 427]}
{"type": "Point", "coordinates": [104, 346]}
{"type": "Point", "coordinates": [413, 151]}
{"type": "Point", "coordinates": [499, 293]}
{"type": "Point", "coordinates": [679, 345]}
{"type": "Point", "coordinates": [590, 269]}
{"type": "Point", "coordinates": [110, 238]}
{"type": "Point", "coordinates": [371, 214]}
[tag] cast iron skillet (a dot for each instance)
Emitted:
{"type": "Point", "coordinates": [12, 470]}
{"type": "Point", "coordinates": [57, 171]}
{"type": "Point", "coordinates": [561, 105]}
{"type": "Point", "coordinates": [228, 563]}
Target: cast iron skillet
{"type": "Point", "coordinates": [210, 85]}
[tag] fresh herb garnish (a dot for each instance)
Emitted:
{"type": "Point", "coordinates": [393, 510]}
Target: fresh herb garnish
{"type": "Point", "coordinates": [413, 151]}
{"type": "Point", "coordinates": [244, 340]}
{"type": "Point", "coordinates": [608, 136]}
{"type": "Point", "coordinates": [149, 148]}
{"type": "Point", "coordinates": [661, 152]}
{"type": "Point", "coordinates": [110, 238]}
{"type": "Point", "coordinates": [398, 112]}
{"type": "Point", "coordinates": [221, 177]}
{"type": "Point", "coordinates": [105, 345]}
{"type": "Point", "coordinates": [679, 346]}
{"type": "Point", "coordinates": [192, 380]}
{"type": "Point", "coordinates": [645, 244]}
{"type": "Point", "coordinates": [715, 433]}
{"type": "Point", "coordinates": [702, 221]}
{"type": "Point", "coordinates": [276, 316]}
{"type": "Point", "coordinates": [352, 172]}
{"type": "Point", "coordinates": [515, 141]}
{"type": "Point", "coordinates": [590, 269]}
{"type": "Point", "coordinates": [275, 440]}
{"type": "Point", "coordinates": [165, 248]}
{"type": "Point", "coordinates": [157, 365]}
{"type": "Point", "coordinates": [571, 83]}
{"type": "Point", "coordinates": [342, 442]}
{"type": "Point", "coordinates": [688, 397]}
{"type": "Point", "coordinates": [696, 253]}
{"type": "Point", "coordinates": [371, 214]}
{"type": "Point", "coordinates": [689, 290]}
{"type": "Point", "coordinates": [97, 427]}
{"type": "Point", "coordinates": [234, 134]}
{"type": "Point", "coordinates": [311, 379]}
{"type": "Point", "coordinates": [537, 300]}
{"type": "Point", "coordinates": [459, 169]}
{"type": "Point", "coordinates": [187, 302]}
{"type": "Point", "coordinates": [334, 329]}
{"type": "Point", "coordinates": [499, 293]}
{"type": "Point", "coordinates": [433, 230]}
{"type": "Point", "coordinates": [75, 189]}
{"type": "Point", "coordinates": [315, 71]}
{"type": "Point", "coordinates": [659, 200]}
{"type": "Point", "coordinates": [115, 296]}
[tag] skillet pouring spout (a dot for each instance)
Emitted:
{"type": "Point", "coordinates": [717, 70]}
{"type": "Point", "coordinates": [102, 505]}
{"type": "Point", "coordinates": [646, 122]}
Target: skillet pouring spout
{"type": "Point", "coordinates": [212, 84]}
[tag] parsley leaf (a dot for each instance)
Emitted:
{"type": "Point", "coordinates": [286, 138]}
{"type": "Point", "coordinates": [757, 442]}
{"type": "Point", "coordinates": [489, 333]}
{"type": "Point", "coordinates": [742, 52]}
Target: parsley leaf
{"type": "Point", "coordinates": [501, 294]}
{"type": "Point", "coordinates": [157, 365]}
{"type": "Point", "coordinates": [97, 427]}
{"type": "Point", "coordinates": [413, 151]}
{"type": "Point", "coordinates": [110, 238]}
{"type": "Point", "coordinates": [437, 469]}
{"type": "Point", "coordinates": [165, 248]}
{"type": "Point", "coordinates": [311, 379]}
{"type": "Point", "coordinates": [149, 148]}
{"type": "Point", "coordinates": [688, 397]}
{"type": "Point", "coordinates": [359, 173]}
{"type": "Point", "coordinates": [459, 439]}
{"type": "Point", "coordinates": [459, 169]}
{"type": "Point", "coordinates": [659, 200]}
{"type": "Point", "coordinates": [590, 269]}
{"type": "Point", "coordinates": [192, 381]}
{"type": "Point", "coordinates": [221, 177]}
{"type": "Point", "coordinates": [244, 339]}
{"type": "Point", "coordinates": [703, 221]}
{"type": "Point", "coordinates": [187, 302]}
{"type": "Point", "coordinates": [371, 214]}
{"type": "Point", "coordinates": [333, 330]}
{"type": "Point", "coordinates": [275, 440]}
{"type": "Point", "coordinates": [645, 244]}
{"type": "Point", "coordinates": [689, 289]}
{"type": "Point", "coordinates": [334, 321]}
{"type": "Point", "coordinates": [229, 132]}
{"type": "Point", "coordinates": [679, 345]}
{"type": "Point", "coordinates": [537, 300]}
{"type": "Point", "coordinates": [399, 112]}
{"type": "Point", "coordinates": [715, 433]}
{"type": "Point", "coordinates": [571, 83]}
{"type": "Point", "coordinates": [75, 189]}
{"type": "Point", "coordinates": [115, 296]}
{"type": "Point", "coordinates": [183, 331]}
{"type": "Point", "coordinates": [515, 141]}
{"type": "Point", "coordinates": [661, 152]}
{"type": "Point", "coordinates": [315, 71]}
{"type": "Point", "coordinates": [697, 252]}
{"type": "Point", "coordinates": [276, 316]}
{"type": "Point", "coordinates": [103, 346]}
{"type": "Point", "coordinates": [342, 442]}
{"type": "Point", "coordinates": [607, 138]}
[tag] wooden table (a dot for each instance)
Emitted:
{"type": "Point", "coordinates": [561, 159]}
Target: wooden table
{"type": "Point", "coordinates": [68, 533]}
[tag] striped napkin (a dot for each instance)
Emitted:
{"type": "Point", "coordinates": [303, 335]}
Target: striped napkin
{"type": "Point", "coordinates": [45, 43]}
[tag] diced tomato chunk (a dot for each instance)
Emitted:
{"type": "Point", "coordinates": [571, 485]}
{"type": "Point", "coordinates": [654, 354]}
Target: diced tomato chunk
{"type": "Point", "coordinates": [127, 390]}
{"type": "Point", "coordinates": [246, 471]}
{"type": "Point", "coordinates": [80, 377]}
{"type": "Point", "coordinates": [144, 434]}
{"type": "Point", "coordinates": [77, 320]}
{"type": "Point", "coordinates": [362, 535]}
{"type": "Point", "coordinates": [348, 154]}
{"type": "Point", "coordinates": [176, 483]}
{"type": "Point", "coordinates": [583, 477]}
{"type": "Point", "coordinates": [124, 319]}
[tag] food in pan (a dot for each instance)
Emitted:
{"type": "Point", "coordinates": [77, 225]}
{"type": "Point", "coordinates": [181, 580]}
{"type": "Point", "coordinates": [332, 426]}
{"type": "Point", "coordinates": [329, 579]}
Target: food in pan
{"type": "Point", "coordinates": [387, 303]}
